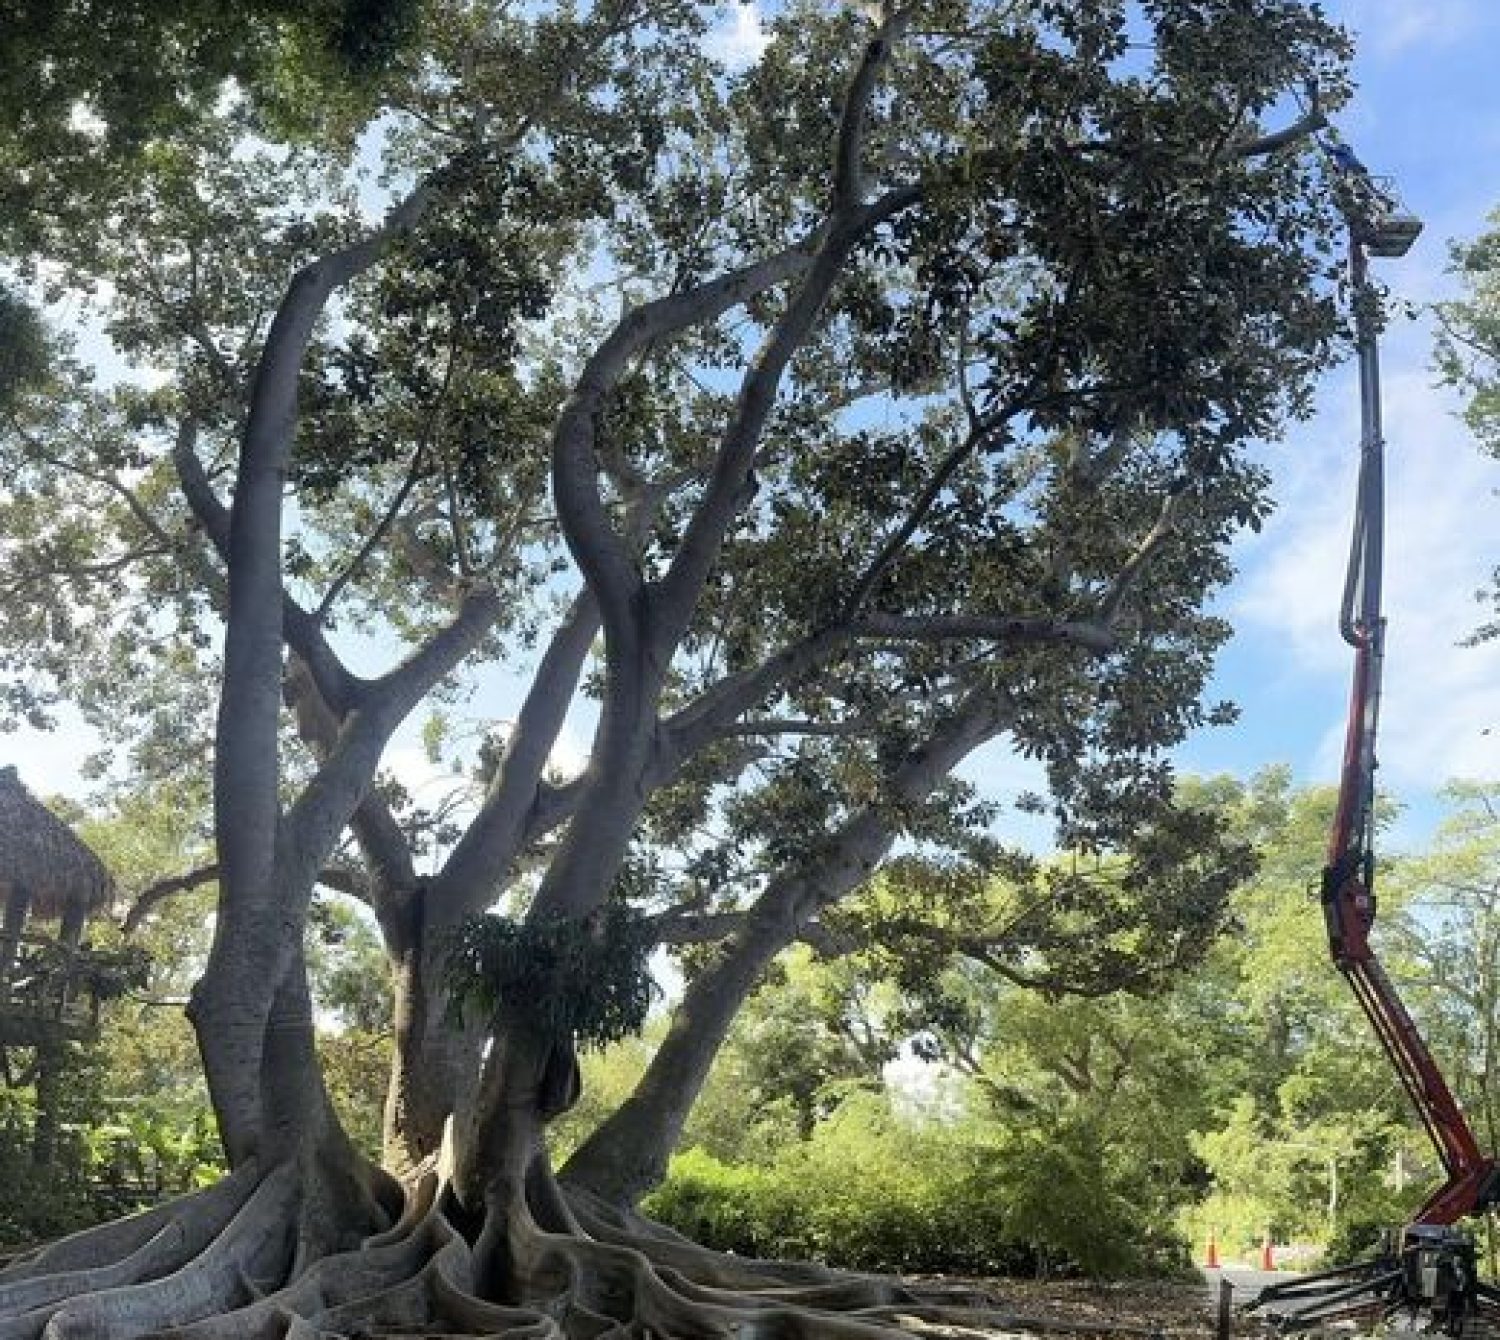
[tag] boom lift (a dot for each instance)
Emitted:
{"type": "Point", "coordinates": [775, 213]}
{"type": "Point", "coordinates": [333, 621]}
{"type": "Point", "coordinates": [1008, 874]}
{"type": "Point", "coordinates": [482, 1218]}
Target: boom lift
{"type": "Point", "coordinates": [1428, 1271]}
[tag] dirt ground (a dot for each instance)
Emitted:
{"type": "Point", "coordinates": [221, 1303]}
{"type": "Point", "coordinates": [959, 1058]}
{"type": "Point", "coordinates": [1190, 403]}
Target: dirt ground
{"type": "Point", "coordinates": [1080, 1308]}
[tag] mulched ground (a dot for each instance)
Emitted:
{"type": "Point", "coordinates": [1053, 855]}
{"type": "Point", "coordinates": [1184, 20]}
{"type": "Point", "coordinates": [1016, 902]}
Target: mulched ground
{"type": "Point", "coordinates": [1173, 1311]}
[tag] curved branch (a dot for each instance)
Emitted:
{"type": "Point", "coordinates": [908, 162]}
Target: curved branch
{"type": "Point", "coordinates": [137, 508]}
{"type": "Point", "coordinates": [980, 434]}
{"type": "Point", "coordinates": [1126, 578]}
{"type": "Point", "coordinates": [334, 877]}
{"type": "Point", "coordinates": [705, 718]}
{"type": "Point", "coordinates": [602, 554]}
{"type": "Point", "coordinates": [1304, 126]}
{"type": "Point", "coordinates": [163, 889]}
{"type": "Point", "coordinates": [313, 822]}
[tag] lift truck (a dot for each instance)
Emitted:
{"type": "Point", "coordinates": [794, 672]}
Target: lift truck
{"type": "Point", "coordinates": [1426, 1274]}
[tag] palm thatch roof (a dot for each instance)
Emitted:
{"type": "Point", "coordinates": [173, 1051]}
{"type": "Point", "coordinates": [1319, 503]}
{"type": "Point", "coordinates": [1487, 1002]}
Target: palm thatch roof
{"type": "Point", "coordinates": [40, 852]}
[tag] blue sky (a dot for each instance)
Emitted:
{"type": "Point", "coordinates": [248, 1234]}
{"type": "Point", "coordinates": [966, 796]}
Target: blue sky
{"type": "Point", "coordinates": [1427, 113]}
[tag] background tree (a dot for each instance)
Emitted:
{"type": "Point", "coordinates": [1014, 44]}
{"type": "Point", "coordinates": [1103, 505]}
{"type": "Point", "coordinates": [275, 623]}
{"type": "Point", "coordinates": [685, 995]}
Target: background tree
{"type": "Point", "coordinates": [1444, 941]}
{"type": "Point", "coordinates": [1468, 348]}
{"type": "Point", "coordinates": [874, 468]}
{"type": "Point", "coordinates": [1469, 345]}
{"type": "Point", "coordinates": [1309, 1120]}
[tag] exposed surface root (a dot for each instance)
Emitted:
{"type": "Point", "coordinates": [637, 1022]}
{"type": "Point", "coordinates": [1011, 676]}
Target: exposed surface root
{"type": "Point", "coordinates": [112, 1242]}
{"type": "Point", "coordinates": [230, 1264]}
{"type": "Point", "coordinates": [252, 1248]}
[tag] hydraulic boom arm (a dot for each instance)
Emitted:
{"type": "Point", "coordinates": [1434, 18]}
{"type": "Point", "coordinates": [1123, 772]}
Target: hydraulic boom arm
{"type": "Point", "coordinates": [1348, 879]}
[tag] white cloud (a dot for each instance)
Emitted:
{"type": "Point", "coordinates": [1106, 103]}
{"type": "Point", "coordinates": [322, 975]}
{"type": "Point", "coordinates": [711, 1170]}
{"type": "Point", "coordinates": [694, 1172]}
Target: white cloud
{"type": "Point", "coordinates": [1443, 539]}
{"type": "Point", "coordinates": [740, 39]}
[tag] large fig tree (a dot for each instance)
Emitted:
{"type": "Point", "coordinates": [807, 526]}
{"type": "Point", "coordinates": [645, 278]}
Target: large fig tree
{"type": "Point", "coordinates": [800, 424]}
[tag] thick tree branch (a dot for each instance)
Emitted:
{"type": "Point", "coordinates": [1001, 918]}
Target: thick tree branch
{"type": "Point", "coordinates": [161, 890]}
{"type": "Point", "coordinates": [1304, 126]}
{"type": "Point", "coordinates": [314, 821]}
{"type": "Point", "coordinates": [692, 925]}
{"type": "Point", "coordinates": [339, 879]}
{"type": "Point", "coordinates": [384, 845]}
{"type": "Point", "coordinates": [302, 630]}
{"type": "Point", "coordinates": [644, 628]}
{"type": "Point", "coordinates": [848, 168]}
{"type": "Point", "coordinates": [555, 804]}
{"type": "Point", "coordinates": [772, 726]}
{"type": "Point", "coordinates": [786, 909]}
{"type": "Point", "coordinates": [352, 883]}
{"type": "Point", "coordinates": [849, 222]}
{"type": "Point", "coordinates": [708, 716]}
{"type": "Point", "coordinates": [512, 809]}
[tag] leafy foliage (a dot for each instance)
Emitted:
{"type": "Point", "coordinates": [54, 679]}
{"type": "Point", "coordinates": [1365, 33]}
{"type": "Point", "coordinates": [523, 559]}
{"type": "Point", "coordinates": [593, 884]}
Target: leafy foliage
{"type": "Point", "coordinates": [1244, 1094]}
{"type": "Point", "coordinates": [1469, 346]}
{"type": "Point", "coordinates": [24, 355]}
{"type": "Point", "coordinates": [1468, 349]}
{"type": "Point", "coordinates": [588, 982]}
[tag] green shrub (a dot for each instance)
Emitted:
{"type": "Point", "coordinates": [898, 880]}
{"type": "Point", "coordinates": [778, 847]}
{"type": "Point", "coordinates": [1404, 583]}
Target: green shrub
{"type": "Point", "coordinates": [872, 1191]}
{"type": "Point", "coordinates": [732, 1209]}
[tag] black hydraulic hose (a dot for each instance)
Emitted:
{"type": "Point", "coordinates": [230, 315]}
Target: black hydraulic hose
{"type": "Point", "coordinates": [1361, 622]}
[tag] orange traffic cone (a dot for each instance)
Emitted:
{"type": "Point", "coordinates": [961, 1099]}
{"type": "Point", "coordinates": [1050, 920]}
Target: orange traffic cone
{"type": "Point", "coordinates": [1267, 1253]}
{"type": "Point", "coordinates": [1211, 1262]}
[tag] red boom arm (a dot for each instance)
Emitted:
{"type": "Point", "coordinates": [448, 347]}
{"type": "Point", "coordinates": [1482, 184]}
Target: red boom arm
{"type": "Point", "coordinates": [1348, 878]}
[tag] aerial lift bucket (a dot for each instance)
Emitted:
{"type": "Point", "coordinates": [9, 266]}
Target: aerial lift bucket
{"type": "Point", "coordinates": [1380, 223]}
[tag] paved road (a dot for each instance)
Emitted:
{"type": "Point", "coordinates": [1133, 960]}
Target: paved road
{"type": "Point", "coordinates": [1247, 1283]}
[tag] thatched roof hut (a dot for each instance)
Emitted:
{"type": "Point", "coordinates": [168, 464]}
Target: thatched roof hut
{"type": "Point", "coordinates": [42, 854]}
